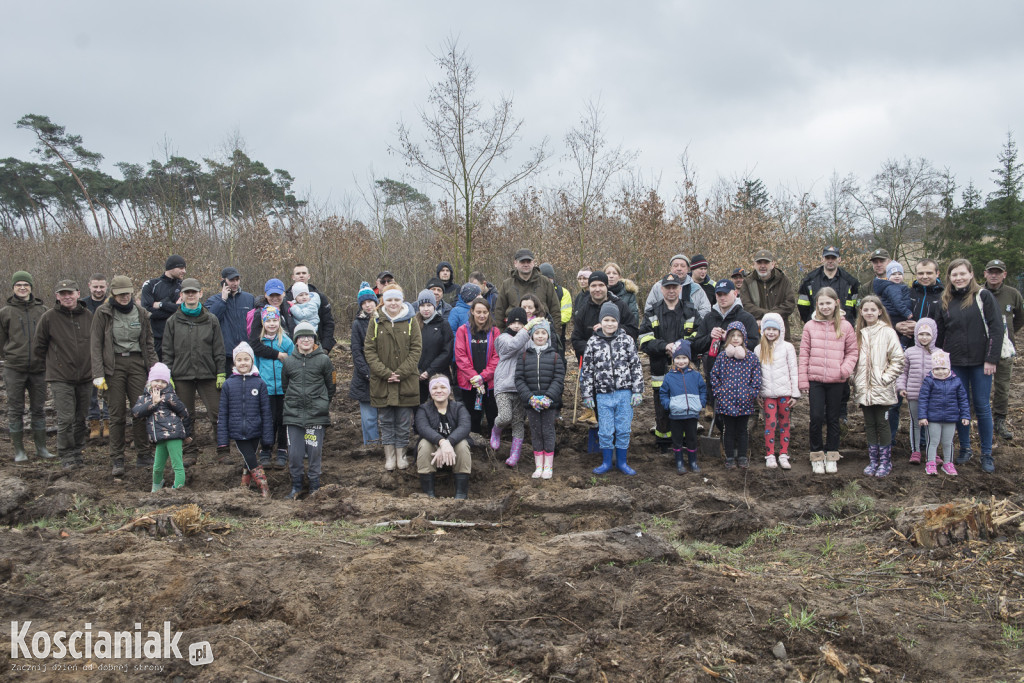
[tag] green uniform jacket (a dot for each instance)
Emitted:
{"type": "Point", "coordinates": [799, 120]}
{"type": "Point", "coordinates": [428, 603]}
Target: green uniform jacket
{"type": "Point", "coordinates": [309, 385]}
{"type": "Point", "coordinates": [774, 295]}
{"type": "Point", "coordinates": [63, 337]}
{"type": "Point", "coordinates": [103, 340]}
{"type": "Point", "coordinates": [193, 347]}
{"type": "Point", "coordinates": [514, 288]}
{"type": "Point", "coordinates": [394, 347]}
{"type": "Point", "coordinates": [1011, 307]}
{"type": "Point", "coordinates": [18, 321]}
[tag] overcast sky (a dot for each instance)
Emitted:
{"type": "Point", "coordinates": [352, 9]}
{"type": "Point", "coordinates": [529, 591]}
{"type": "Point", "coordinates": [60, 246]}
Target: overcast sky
{"type": "Point", "coordinates": [783, 91]}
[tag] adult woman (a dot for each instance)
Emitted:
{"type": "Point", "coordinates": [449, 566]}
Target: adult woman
{"type": "Point", "coordinates": [122, 354]}
{"type": "Point", "coordinates": [359, 387]}
{"type": "Point", "coordinates": [392, 349]}
{"type": "Point", "coordinates": [971, 332]}
{"type": "Point", "coordinates": [621, 287]}
{"type": "Point", "coordinates": [476, 360]}
{"type": "Point", "coordinates": [444, 426]}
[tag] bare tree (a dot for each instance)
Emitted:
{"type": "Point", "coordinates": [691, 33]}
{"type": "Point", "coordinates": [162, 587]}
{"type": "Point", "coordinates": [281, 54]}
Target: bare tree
{"type": "Point", "coordinates": [463, 144]}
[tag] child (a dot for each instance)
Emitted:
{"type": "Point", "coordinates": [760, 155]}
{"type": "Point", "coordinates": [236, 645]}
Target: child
{"type": "Point", "coordinates": [308, 389]}
{"type": "Point", "coordinates": [736, 383]}
{"type": "Point", "coordinates": [540, 379]}
{"type": "Point", "coordinates": [435, 286]}
{"type": "Point", "coordinates": [245, 416]}
{"type": "Point", "coordinates": [167, 424]}
{"type": "Point", "coordinates": [509, 345]}
{"type": "Point", "coordinates": [437, 338]}
{"type": "Point", "coordinates": [683, 395]}
{"type": "Point", "coordinates": [612, 380]}
{"type": "Point", "coordinates": [828, 355]}
{"type": "Point", "coordinates": [270, 370]}
{"type": "Point", "coordinates": [305, 306]}
{"type": "Point", "coordinates": [917, 367]}
{"type": "Point", "coordinates": [874, 380]}
{"type": "Point", "coordinates": [359, 387]}
{"type": "Point", "coordinates": [894, 294]}
{"type": "Point", "coordinates": [780, 387]}
{"type": "Point", "coordinates": [942, 401]}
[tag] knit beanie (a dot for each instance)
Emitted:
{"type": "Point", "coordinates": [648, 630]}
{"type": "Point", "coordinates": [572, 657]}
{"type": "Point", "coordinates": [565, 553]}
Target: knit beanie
{"type": "Point", "coordinates": [392, 292]}
{"type": "Point", "coordinates": [22, 276]}
{"type": "Point", "coordinates": [243, 347]}
{"type": "Point", "coordinates": [682, 349]}
{"type": "Point", "coordinates": [698, 262]}
{"type": "Point", "coordinates": [299, 288]}
{"type": "Point", "coordinates": [304, 329]}
{"type": "Point", "coordinates": [940, 359]}
{"type": "Point", "coordinates": [515, 314]}
{"type": "Point", "coordinates": [366, 293]}
{"type": "Point", "coordinates": [682, 256]}
{"type": "Point", "coordinates": [160, 371]}
{"type": "Point", "coordinates": [608, 309]}
{"type": "Point", "coordinates": [893, 267]}
{"type": "Point", "coordinates": [597, 276]}
{"type": "Point", "coordinates": [174, 261]}
{"type": "Point", "coordinates": [426, 297]}
{"type": "Point", "coordinates": [435, 282]}
{"type": "Point", "coordinates": [547, 270]}
{"type": "Point", "coordinates": [541, 325]}
{"type": "Point", "coordinates": [469, 292]}
{"type": "Point", "coordinates": [584, 273]}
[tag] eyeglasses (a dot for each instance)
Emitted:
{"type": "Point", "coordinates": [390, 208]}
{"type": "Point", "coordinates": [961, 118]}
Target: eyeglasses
{"type": "Point", "coordinates": [22, 285]}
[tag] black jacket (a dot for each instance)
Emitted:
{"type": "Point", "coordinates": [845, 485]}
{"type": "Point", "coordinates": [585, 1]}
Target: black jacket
{"type": "Point", "coordinates": [255, 339]}
{"type": "Point", "coordinates": [846, 286]}
{"type": "Point", "coordinates": [325, 332]}
{"type": "Point", "coordinates": [969, 337]}
{"type": "Point", "coordinates": [664, 326]}
{"type": "Point", "coordinates": [359, 387]}
{"type": "Point", "coordinates": [702, 340]}
{"type": "Point", "coordinates": [165, 290]}
{"type": "Point", "coordinates": [438, 346]}
{"type": "Point", "coordinates": [588, 314]}
{"type": "Point", "coordinates": [428, 420]}
{"type": "Point", "coordinates": [166, 420]}
{"type": "Point", "coordinates": [541, 374]}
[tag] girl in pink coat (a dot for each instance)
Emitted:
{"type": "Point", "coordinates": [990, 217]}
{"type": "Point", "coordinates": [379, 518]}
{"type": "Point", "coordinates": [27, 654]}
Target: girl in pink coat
{"type": "Point", "coordinates": [917, 367]}
{"type": "Point", "coordinates": [779, 387]}
{"type": "Point", "coordinates": [828, 355]}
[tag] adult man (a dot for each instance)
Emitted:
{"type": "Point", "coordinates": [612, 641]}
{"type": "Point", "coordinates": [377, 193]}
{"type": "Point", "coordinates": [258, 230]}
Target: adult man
{"type": "Point", "coordinates": [63, 336]}
{"type": "Point", "coordinates": [699, 273]}
{"type": "Point", "coordinates": [879, 261]}
{"type": "Point", "coordinates": [525, 279]}
{"type": "Point", "coordinates": [384, 278]}
{"type": "Point", "coordinates": [1011, 307]}
{"type": "Point", "coordinates": [325, 331]}
{"type": "Point", "coordinates": [487, 290]}
{"type": "Point", "coordinates": [99, 417]}
{"type": "Point", "coordinates": [679, 265]}
{"type": "Point", "coordinates": [97, 292]}
{"type": "Point", "coordinates": [768, 290]}
{"type": "Point", "coordinates": [161, 296]}
{"type": "Point", "coordinates": [231, 306]}
{"type": "Point", "coordinates": [828, 274]}
{"type": "Point", "coordinates": [22, 368]}
{"type": "Point", "coordinates": [669, 321]}
{"type": "Point", "coordinates": [737, 277]}
{"type": "Point", "coordinates": [436, 288]}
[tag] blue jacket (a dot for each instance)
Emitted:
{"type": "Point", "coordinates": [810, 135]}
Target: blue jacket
{"type": "Point", "coordinates": [232, 316]}
{"type": "Point", "coordinates": [683, 394]}
{"type": "Point", "coordinates": [459, 315]}
{"type": "Point", "coordinates": [244, 410]}
{"type": "Point", "coordinates": [895, 298]}
{"type": "Point", "coordinates": [270, 370]}
{"type": "Point", "coordinates": [943, 400]}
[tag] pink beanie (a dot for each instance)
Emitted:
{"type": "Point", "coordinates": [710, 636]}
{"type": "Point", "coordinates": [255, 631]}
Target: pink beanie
{"type": "Point", "coordinates": [160, 371]}
{"type": "Point", "coordinates": [940, 359]}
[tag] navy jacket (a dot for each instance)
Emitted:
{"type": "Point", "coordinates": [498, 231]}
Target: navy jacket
{"type": "Point", "coordinates": [943, 400]}
{"type": "Point", "coordinates": [683, 394]}
{"type": "Point", "coordinates": [244, 410]}
{"type": "Point", "coordinates": [232, 315]}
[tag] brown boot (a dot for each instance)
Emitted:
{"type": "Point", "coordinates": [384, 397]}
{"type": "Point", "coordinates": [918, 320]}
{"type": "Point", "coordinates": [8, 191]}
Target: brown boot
{"type": "Point", "coordinates": [95, 429]}
{"type": "Point", "coordinates": [260, 477]}
{"type": "Point", "coordinates": [106, 428]}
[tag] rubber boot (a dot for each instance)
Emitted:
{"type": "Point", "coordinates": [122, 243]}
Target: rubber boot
{"type": "Point", "coordinates": [260, 477]}
{"type": "Point", "coordinates": [314, 486]}
{"type": "Point", "coordinates": [403, 462]}
{"type": "Point", "coordinates": [495, 438]}
{"type": "Point", "coordinates": [461, 486]}
{"type": "Point", "coordinates": [549, 463]}
{"type": "Point", "coordinates": [620, 456]}
{"type": "Point", "coordinates": [106, 428]}
{"type": "Point", "coordinates": [606, 464]}
{"type": "Point", "coordinates": [18, 441]}
{"type": "Point", "coordinates": [884, 461]}
{"type": "Point", "coordinates": [117, 470]}
{"type": "Point", "coordinates": [427, 484]}
{"type": "Point", "coordinates": [538, 464]}
{"type": "Point", "coordinates": [872, 461]}
{"type": "Point", "coordinates": [39, 436]}
{"type": "Point", "coordinates": [390, 458]}
{"type": "Point", "coordinates": [246, 479]}
{"type": "Point", "coordinates": [692, 453]}
{"type": "Point", "coordinates": [95, 429]}
{"type": "Point", "coordinates": [513, 457]}
{"type": "Point", "coordinates": [680, 467]}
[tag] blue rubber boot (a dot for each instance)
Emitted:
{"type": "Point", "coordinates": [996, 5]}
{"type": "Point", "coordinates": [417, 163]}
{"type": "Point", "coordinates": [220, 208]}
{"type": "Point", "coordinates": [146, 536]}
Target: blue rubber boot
{"type": "Point", "coordinates": [620, 456]}
{"type": "Point", "coordinates": [605, 466]}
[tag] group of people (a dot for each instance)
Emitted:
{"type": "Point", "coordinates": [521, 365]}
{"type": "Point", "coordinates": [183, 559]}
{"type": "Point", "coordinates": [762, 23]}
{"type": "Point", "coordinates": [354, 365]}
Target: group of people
{"type": "Point", "coordinates": [440, 365]}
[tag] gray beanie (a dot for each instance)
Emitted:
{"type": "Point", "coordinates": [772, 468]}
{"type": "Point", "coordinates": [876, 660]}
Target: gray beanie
{"type": "Point", "coordinates": [426, 297]}
{"type": "Point", "coordinates": [609, 309]}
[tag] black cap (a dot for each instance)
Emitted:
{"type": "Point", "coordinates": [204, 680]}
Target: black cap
{"type": "Point", "coordinates": [516, 314]}
{"type": "Point", "coordinates": [671, 280]}
{"type": "Point", "coordinates": [524, 254]}
{"type": "Point", "coordinates": [724, 286]}
{"type": "Point", "coordinates": [738, 271]}
{"type": "Point", "coordinates": [230, 273]}
{"type": "Point", "coordinates": [383, 274]}
{"type": "Point", "coordinates": [598, 276]}
{"type": "Point", "coordinates": [830, 251]}
{"type": "Point", "coordinates": [174, 261]}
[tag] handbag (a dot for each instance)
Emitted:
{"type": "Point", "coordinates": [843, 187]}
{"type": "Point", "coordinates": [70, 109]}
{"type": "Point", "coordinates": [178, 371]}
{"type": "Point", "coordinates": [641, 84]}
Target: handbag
{"type": "Point", "coordinates": [1007, 350]}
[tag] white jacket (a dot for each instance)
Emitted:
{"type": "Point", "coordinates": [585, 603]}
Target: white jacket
{"type": "Point", "coordinates": [781, 377]}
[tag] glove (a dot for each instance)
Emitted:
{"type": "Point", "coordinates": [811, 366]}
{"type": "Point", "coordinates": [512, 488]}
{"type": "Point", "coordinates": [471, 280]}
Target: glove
{"type": "Point", "coordinates": [545, 401]}
{"type": "Point", "coordinates": [220, 380]}
{"type": "Point", "coordinates": [100, 383]}
{"type": "Point", "coordinates": [636, 400]}
{"type": "Point", "coordinates": [530, 323]}
{"type": "Point", "coordinates": [588, 403]}
{"type": "Point", "coordinates": [535, 403]}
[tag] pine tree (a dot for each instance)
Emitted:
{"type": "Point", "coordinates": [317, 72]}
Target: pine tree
{"type": "Point", "coordinates": [1005, 210]}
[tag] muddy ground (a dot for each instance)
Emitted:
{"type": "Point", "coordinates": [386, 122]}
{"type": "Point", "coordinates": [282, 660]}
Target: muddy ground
{"type": "Point", "coordinates": [580, 578]}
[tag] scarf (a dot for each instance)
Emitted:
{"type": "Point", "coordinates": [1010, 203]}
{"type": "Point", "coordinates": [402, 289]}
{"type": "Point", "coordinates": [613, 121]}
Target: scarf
{"type": "Point", "coordinates": [192, 312]}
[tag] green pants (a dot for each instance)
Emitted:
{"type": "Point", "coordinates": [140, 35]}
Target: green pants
{"type": "Point", "coordinates": [876, 426]}
{"type": "Point", "coordinates": [71, 404]}
{"type": "Point", "coordinates": [125, 385]}
{"type": "Point", "coordinates": [1001, 387]}
{"type": "Point", "coordinates": [165, 449]}
{"type": "Point", "coordinates": [207, 390]}
{"type": "Point", "coordinates": [17, 383]}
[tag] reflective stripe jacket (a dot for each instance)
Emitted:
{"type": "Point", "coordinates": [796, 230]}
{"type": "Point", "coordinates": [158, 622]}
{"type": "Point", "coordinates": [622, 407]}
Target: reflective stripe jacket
{"type": "Point", "coordinates": [846, 286]}
{"type": "Point", "coordinates": [661, 327]}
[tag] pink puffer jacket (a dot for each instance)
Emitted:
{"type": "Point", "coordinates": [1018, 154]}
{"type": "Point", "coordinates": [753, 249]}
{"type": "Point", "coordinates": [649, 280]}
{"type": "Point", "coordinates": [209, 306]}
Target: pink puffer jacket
{"type": "Point", "coordinates": [918, 361]}
{"type": "Point", "coordinates": [823, 358]}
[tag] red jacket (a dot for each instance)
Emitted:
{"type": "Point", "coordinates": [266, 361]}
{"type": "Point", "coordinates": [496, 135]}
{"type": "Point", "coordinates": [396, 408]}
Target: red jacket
{"type": "Point", "coordinates": [823, 358]}
{"type": "Point", "coordinates": [464, 358]}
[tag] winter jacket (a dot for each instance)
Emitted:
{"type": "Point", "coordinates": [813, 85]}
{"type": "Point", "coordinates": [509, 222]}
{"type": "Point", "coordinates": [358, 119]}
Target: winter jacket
{"type": "Point", "coordinates": [896, 299]}
{"type": "Point", "coordinates": [166, 291]}
{"type": "Point", "coordinates": [969, 337]}
{"type": "Point", "coordinates": [702, 340]}
{"type": "Point", "coordinates": [308, 312]}
{"type": "Point", "coordinates": [394, 346]}
{"type": "Point", "coordinates": [736, 382]}
{"type": "Point", "coordinates": [309, 384]}
{"type": "Point", "coordinates": [588, 314]}
{"type": "Point", "coordinates": [610, 364]}
{"type": "Point", "coordinates": [509, 348]}
{"type": "Point", "coordinates": [166, 420]}
{"type": "Point", "coordinates": [459, 315]}
{"type": "Point", "coordinates": [272, 370]}
{"type": "Point", "coordinates": [18, 321]}
{"type": "Point", "coordinates": [541, 372]}
{"type": "Point", "coordinates": [233, 316]}
{"type": "Point", "coordinates": [565, 303]}
{"type": "Point", "coordinates": [245, 410]}
{"type": "Point", "coordinates": [918, 361]}
{"type": "Point", "coordinates": [428, 421]}
{"type": "Point", "coordinates": [661, 327]}
{"type": "Point", "coordinates": [63, 337]}
{"type": "Point", "coordinates": [451, 289]}
{"type": "Point", "coordinates": [193, 347]}
{"type": "Point", "coordinates": [845, 285]}
{"type": "Point", "coordinates": [626, 290]}
{"type": "Point", "coordinates": [438, 342]}
{"type": "Point", "coordinates": [823, 358]}
{"type": "Point", "coordinates": [774, 294]}
{"type": "Point", "coordinates": [683, 394]}
{"type": "Point", "coordinates": [359, 386]}
{"type": "Point", "coordinates": [925, 302]}
{"type": "Point", "coordinates": [514, 288]}
{"type": "Point", "coordinates": [943, 400]}
{"type": "Point", "coordinates": [1011, 307]}
{"type": "Point", "coordinates": [690, 291]}
{"type": "Point", "coordinates": [325, 330]}
{"type": "Point", "coordinates": [879, 365]}
{"type": "Point", "coordinates": [781, 377]}
{"type": "Point", "coordinates": [464, 357]}
{"type": "Point", "coordinates": [709, 289]}
{"type": "Point", "coordinates": [102, 344]}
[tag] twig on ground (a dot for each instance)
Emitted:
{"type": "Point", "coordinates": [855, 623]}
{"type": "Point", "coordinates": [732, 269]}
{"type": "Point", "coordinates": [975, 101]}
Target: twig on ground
{"type": "Point", "coordinates": [437, 522]}
{"type": "Point", "coordinates": [263, 673]}
{"type": "Point", "coordinates": [248, 646]}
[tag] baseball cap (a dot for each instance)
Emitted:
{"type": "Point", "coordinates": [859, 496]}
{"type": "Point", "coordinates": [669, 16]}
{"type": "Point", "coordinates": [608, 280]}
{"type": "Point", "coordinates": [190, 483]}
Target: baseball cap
{"type": "Point", "coordinates": [830, 251]}
{"type": "Point", "coordinates": [995, 264]}
{"type": "Point", "coordinates": [671, 280]}
{"type": "Point", "coordinates": [879, 253]}
{"type": "Point", "coordinates": [738, 271]}
{"type": "Point", "coordinates": [230, 273]}
{"type": "Point", "coordinates": [191, 284]}
{"type": "Point", "coordinates": [724, 286]}
{"type": "Point", "coordinates": [67, 286]}
{"type": "Point", "coordinates": [121, 284]}
{"type": "Point", "coordinates": [273, 286]}
{"type": "Point", "coordinates": [524, 254]}
{"type": "Point", "coordinates": [763, 255]}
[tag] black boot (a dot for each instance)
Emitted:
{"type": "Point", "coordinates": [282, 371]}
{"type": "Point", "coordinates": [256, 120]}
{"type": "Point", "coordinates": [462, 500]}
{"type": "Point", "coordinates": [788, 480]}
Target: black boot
{"type": "Point", "coordinates": [18, 441]}
{"type": "Point", "coordinates": [693, 460]}
{"type": "Point", "coordinates": [680, 467]}
{"type": "Point", "coordinates": [461, 486]}
{"type": "Point", "coordinates": [118, 468]}
{"type": "Point", "coordinates": [427, 484]}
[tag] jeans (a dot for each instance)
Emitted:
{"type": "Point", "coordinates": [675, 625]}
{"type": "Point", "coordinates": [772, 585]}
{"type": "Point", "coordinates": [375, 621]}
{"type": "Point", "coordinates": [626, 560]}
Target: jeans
{"type": "Point", "coordinates": [395, 423]}
{"type": "Point", "coordinates": [616, 418]}
{"type": "Point", "coordinates": [979, 388]}
{"type": "Point", "coordinates": [368, 420]}
{"type": "Point", "coordinates": [826, 402]}
{"type": "Point", "coordinates": [96, 411]}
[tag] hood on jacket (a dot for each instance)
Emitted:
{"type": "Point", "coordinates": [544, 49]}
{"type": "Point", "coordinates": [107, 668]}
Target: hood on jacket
{"type": "Point", "coordinates": [79, 308]}
{"type": "Point", "coordinates": [718, 308]}
{"type": "Point", "coordinates": [534, 274]}
{"type": "Point", "coordinates": [775, 317]}
{"type": "Point", "coordinates": [931, 325]}
{"type": "Point", "coordinates": [24, 303]}
{"type": "Point", "coordinates": [627, 285]}
{"type": "Point", "coordinates": [736, 325]}
{"type": "Point", "coordinates": [408, 314]}
{"type": "Point", "coordinates": [444, 264]}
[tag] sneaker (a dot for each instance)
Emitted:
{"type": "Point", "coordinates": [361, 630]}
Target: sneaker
{"type": "Point", "coordinates": [930, 468]}
{"type": "Point", "coordinates": [769, 462]}
{"type": "Point", "coordinates": [988, 465]}
{"type": "Point", "coordinates": [730, 463]}
{"type": "Point", "coordinates": [743, 462]}
{"type": "Point", "coordinates": [963, 457]}
{"type": "Point", "coordinates": [265, 459]}
{"type": "Point", "coordinates": [784, 461]}
{"type": "Point", "coordinates": [293, 494]}
{"type": "Point", "coordinates": [949, 469]}
{"type": "Point", "coordinates": [282, 459]}
{"type": "Point", "coordinates": [915, 458]}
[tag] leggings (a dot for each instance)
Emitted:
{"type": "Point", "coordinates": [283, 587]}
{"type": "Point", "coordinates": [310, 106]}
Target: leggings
{"type": "Point", "coordinates": [164, 450]}
{"type": "Point", "coordinates": [916, 445]}
{"type": "Point", "coordinates": [476, 417]}
{"type": "Point", "coordinates": [542, 430]}
{"type": "Point", "coordinates": [776, 413]}
{"type": "Point", "coordinates": [941, 431]}
{"type": "Point", "coordinates": [876, 426]}
{"type": "Point", "coordinates": [277, 410]}
{"type": "Point", "coordinates": [249, 448]}
{"type": "Point", "coordinates": [735, 436]}
{"type": "Point", "coordinates": [684, 433]}
{"type": "Point", "coordinates": [511, 411]}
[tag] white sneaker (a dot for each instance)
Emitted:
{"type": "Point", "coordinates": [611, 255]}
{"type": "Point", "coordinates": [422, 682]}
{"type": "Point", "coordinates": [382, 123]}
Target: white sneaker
{"type": "Point", "coordinates": [769, 462]}
{"type": "Point", "coordinates": [784, 461]}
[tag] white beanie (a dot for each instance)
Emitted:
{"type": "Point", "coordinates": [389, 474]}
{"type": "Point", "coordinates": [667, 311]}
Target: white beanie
{"type": "Point", "coordinates": [300, 288]}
